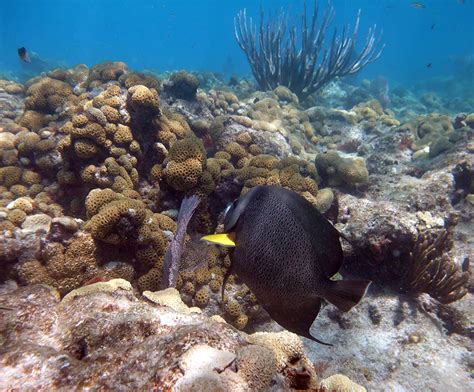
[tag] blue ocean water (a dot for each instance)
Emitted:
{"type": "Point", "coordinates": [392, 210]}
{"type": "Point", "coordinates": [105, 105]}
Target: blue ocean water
{"type": "Point", "coordinates": [163, 35]}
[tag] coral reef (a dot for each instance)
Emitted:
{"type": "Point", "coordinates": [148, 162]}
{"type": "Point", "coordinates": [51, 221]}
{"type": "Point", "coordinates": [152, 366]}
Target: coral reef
{"type": "Point", "coordinates": [94, 164]}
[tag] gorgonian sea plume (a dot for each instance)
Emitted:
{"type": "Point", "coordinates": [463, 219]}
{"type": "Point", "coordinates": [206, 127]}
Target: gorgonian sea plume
{"type": "Point", "coordinates": [301, 60]}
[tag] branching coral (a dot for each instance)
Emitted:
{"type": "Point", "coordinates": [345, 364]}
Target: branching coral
{"type": "Point", "coordinates": [277, 60]}
{"type": "Point", "coordinates": [431, 270]}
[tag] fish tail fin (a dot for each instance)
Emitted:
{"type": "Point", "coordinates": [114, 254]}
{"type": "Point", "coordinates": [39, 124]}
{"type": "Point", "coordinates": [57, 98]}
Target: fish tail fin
{"type": "Point", "coordinates": [345, 294]}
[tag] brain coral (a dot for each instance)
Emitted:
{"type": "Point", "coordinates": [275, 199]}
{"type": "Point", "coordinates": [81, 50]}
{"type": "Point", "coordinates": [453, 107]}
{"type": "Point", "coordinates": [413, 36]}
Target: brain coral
{"type": "Point", "coordinates": [292, 173]}
{"type": "Point", "coordinates": [117, 221]}
{"type": "Point", "coordinates": [99, 148]}
{"type": "Point", "coordinates": [46, 95]}
{"type": "Point", "coordinates": [171, 127]}
{"type": "Point", "coordinates": [33, 120]}
{"type": "Point", "coordinates": [67, 268]}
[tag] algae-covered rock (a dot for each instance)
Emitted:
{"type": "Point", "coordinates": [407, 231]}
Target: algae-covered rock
{"type": "Point", "coordinates": [146, 346]}
{"type": "Point", "coordinates": [170, 297]}
{"type": "Point", "coordinates": [340, 383]}
{"type": "Point", "coordinates": [104, 287]}
{"type": "Point", "coordinates": [337, 170]}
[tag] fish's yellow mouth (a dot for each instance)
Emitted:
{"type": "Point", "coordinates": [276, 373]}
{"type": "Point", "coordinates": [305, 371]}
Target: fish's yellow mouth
{"type": "Point", "coordinates": [220, 239]}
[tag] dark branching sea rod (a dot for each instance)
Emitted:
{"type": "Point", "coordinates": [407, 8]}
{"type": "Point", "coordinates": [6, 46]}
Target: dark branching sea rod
{"type": "Point", "coordinates": [173, 256]}
{"type": "Point", "coordinates": [302, 62]}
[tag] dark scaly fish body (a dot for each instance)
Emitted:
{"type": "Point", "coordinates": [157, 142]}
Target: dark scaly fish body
{"type": "Point", "coordinates": [286, 251]}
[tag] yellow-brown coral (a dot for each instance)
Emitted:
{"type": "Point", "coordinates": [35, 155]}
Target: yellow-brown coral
{"type": "Point", "coordinates": [143, 101]}
{"type": "Point", "coordinates": [46, 95]}
{"type": "Point", "coordinates": [185, 164]}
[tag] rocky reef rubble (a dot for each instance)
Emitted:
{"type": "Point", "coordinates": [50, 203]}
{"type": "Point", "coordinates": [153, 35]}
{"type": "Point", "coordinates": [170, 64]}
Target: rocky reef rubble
{"type": "Point", "coordinates": [105, 336]}
{"type": "Point", "coordinates": [408, 333]}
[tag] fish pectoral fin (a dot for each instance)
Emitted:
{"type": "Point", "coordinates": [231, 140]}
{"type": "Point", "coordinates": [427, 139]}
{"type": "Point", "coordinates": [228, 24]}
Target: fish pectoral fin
{"type": "Point", "coordinates": [224, 239]}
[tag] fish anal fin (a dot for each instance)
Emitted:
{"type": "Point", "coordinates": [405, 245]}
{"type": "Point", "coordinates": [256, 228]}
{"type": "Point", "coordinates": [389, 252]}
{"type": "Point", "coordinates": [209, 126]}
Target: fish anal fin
{"type": "Point", "coordinates": [296, 317]}
{"type": "Point", "coordinates": [311, 337]}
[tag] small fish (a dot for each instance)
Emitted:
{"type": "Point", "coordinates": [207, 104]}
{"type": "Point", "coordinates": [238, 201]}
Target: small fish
{"type": "Point", "coordinates": [429, 65]}
{"type": "Point", "coordinates": [24, 55]}
{"type": "Point", "coordinates": [461, 2]}
{"type": "Point", "coordinates": [432, 26]}
{"type": "Point", "coordinates": [285, 251]}
{"type": "Point", "coordinates": [417, 5]}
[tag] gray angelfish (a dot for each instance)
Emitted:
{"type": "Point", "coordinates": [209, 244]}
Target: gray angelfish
{"type": "Point", "coordinates": [286, 251]}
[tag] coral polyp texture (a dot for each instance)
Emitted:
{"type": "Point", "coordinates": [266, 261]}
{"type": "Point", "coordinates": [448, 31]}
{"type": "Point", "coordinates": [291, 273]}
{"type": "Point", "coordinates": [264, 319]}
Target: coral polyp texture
{"type": "Point", "coordinates": [95, 164]}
